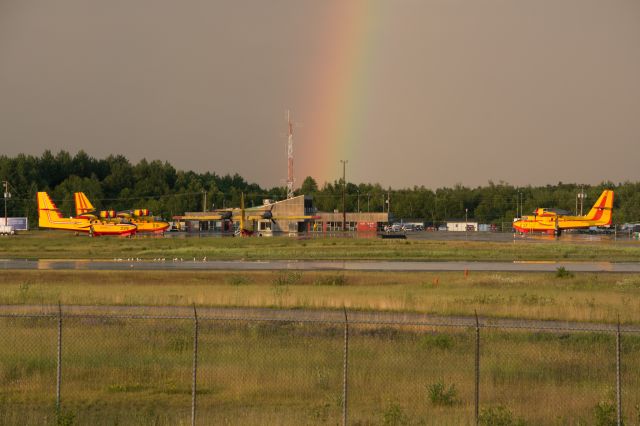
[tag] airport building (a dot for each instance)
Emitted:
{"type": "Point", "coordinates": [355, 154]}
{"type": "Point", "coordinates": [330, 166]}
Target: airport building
{"type": "Point", "coordinates": [16, 223]}
{"type": "Point", "coordinates": [461, 225]}
{"type": "Point", "coordinates": [291, 216]}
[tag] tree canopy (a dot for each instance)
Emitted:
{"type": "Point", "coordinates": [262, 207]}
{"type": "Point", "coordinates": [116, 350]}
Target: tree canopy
{"type": "Point", "coordinates": [115, 183]}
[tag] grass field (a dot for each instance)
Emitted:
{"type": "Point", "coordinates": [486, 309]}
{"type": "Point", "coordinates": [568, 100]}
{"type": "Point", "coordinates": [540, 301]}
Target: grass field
{"type": "Point", "coordinates": [581, 297]}
{"type": "Point", "coordinates": [56, 245]}
{"type": "Point", "coordinates": [139, 372]}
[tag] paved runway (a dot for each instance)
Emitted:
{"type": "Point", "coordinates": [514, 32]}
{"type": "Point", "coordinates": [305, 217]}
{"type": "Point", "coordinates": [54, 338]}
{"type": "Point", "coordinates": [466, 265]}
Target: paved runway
{"type": "Point", "coordinates": [200, 265]}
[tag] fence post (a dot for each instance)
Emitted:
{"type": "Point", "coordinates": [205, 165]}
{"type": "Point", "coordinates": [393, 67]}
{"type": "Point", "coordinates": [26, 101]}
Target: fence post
{"type": "Point", "coordinates": [59, 363]}
{"type": "Point", "coordinates": [477, 387]}
{"type": "Point", "coordinates": [618, 385]}
{"type": "Point", "coordinates": [195, 366]}
{"type": "Point", "coordinates": [345, 365]}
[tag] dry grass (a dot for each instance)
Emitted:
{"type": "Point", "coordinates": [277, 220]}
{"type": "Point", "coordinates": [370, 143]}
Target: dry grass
{"type": "Point", "coordinates": [584, 297]}
{"type": "Point", "coordinates": [139, 372]}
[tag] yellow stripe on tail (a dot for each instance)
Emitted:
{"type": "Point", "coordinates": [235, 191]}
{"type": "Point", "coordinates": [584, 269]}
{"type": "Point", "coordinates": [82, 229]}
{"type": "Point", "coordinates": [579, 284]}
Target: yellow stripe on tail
{"type": "Point", "coordinates": [601, 211]}
{"type": "Point", "coordinates": [47, 210]}
{"type": "Point", "coordinates": [83, 205]}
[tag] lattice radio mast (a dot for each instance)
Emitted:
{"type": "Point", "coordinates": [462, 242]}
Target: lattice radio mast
{"type": "Point", "coordinates": [289, 157]}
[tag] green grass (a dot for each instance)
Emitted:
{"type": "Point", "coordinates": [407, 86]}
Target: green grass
{"type": "Point", "coordinates": [583, 297]}
{"type": "Point", "coordinates": [139, 372]}
{"type": "Point", "coordinates": [60, 245]}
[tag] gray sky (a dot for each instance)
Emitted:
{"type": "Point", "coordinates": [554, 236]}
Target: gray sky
{"type": "Point", "coordinates": [426, 92]}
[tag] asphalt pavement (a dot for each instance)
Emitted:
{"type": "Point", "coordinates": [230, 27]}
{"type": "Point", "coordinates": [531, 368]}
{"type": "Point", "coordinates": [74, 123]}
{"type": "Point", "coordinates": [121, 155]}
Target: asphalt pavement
{"type": "Point", "coordinates": [309, 265]}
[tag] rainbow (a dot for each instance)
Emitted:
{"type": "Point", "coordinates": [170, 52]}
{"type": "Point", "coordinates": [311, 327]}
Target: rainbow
{"type": "Point", "coordinates": [340, 87]}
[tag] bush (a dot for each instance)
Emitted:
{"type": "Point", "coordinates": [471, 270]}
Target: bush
{"type": "Point", "coordinates": [65, 418]}
{"type": "Point", "coordinates": [436, 340]}
{"type": "Point", "coordinates": [498, 416]}
{"type": "Point", "coordinates": [605, 413]}
{"type": "Point", "coordinates": [561, 272]}
{"type": "Point", "coordinates": [237, 279]}
{"type": "Point", "coordinates": [284, 278]}
{"type": "Point", "coordinates": [440, 395]}
{"type": "Point", "coordinates": [334, 279]}
{"type": "Point", "coordinates": [394, 416]}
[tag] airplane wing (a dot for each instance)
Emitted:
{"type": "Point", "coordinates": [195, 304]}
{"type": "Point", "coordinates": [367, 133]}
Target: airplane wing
{"type": "Point", "coordinates": [559, 212]}
{"type": "Point", "coordinates": [209, 216]}
{"type": "Point", "coordinates": [294, 217]}
{"type": "Point", "coordinates": [89, 216]}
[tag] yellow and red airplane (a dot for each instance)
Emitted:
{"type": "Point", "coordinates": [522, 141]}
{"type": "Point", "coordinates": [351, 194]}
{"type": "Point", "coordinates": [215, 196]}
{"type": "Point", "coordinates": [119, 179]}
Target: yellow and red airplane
{"type": "Point", "coordinates": [50, 217]}
{"type": "Point", "coordinates": [554, 221]}
{"type": "Point", "coordinates": [143, 220]}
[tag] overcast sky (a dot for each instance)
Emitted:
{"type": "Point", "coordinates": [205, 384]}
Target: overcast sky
{"type": "Point", "coordinates": [444, 91]}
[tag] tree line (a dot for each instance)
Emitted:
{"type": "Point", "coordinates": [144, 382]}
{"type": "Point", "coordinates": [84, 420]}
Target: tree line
{"type": "Point", "coordinates": [116, 183]}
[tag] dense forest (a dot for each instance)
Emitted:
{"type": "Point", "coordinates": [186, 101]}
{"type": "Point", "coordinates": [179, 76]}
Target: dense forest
{"type": "Point", "coordinates": [116, 183]}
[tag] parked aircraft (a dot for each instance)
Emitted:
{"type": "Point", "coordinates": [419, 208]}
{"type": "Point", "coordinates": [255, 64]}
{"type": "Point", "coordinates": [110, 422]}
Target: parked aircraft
{"type": "Point", "coordinates": [144, 221]}
{"type": "Point", "coordinates": [554, 221]}
{"type": "Point", "coordinates": [50, 217]}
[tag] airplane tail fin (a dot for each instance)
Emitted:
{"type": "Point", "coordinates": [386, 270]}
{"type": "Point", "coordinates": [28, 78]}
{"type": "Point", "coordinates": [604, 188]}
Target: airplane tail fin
{"type": "Point", "coordinates": [602, 210]}
{"type": "Point", "coordinates": [83, 205]}
{"type": "Point", "coordinates": [47, 210]}
{"type": "Point", "coordinates": [242, 213]}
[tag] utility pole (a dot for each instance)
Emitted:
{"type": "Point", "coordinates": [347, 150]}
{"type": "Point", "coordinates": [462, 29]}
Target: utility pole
{"type": "Point", "coordinates": [204, 201]}
{"type": "Point", "coordinates": [521, 205]}
{"type": "Point", "coordinates": [388, 201]}
{"type": "Point", "coordinates": [344, 189]}
{"type": "Point", "coordinates": [289, 157]}
{"type": "Point", "coordinates": [466, 225]}
{"type": "Point", "coordinates": [6, 195]}
{"type": "Point", "coordinates": [581, 197]}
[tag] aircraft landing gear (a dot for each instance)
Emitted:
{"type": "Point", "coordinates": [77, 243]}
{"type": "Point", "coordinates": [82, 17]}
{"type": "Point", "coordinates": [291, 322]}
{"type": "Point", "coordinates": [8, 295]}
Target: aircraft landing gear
{"type": "Point", "coordinates": [91, 234]}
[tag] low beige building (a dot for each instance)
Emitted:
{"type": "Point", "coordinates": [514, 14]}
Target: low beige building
{"type": "Point", "coordinates": [292, 216]}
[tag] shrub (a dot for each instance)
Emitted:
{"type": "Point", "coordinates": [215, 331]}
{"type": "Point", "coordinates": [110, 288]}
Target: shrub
{"type": "Point", "coordinates": [284, 278]}
{"type": "Point", "coordinates": [334, 279]}
{"type": "Point", "coordinates": [498, 416]}
{"type": "Point", "coordinates": [237, 279]}
{"type": "Point", "coordinates": [436, 340]}
{"type": "Point", "coordinates": [605, 413]}
{"type": "Point", "coordinates": [561, 272]}
{"type": "Point", "coordinates": [65, 418]}
{"type": "Point", "coordinates": [440, 395]}
{"type": "Point", "coordinates": [394, 416]}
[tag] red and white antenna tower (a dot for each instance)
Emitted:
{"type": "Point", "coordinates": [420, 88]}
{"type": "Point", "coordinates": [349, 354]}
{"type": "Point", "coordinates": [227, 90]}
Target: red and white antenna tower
{"type": "Point", "coordinates": [289, 157]}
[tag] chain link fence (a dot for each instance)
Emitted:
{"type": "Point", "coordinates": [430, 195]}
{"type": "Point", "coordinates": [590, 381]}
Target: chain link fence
{"type": "Point", "coordinates": [92, 365]}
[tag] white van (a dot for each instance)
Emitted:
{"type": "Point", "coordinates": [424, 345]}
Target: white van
{"type": "Point", "coordinates": [6, 230]}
